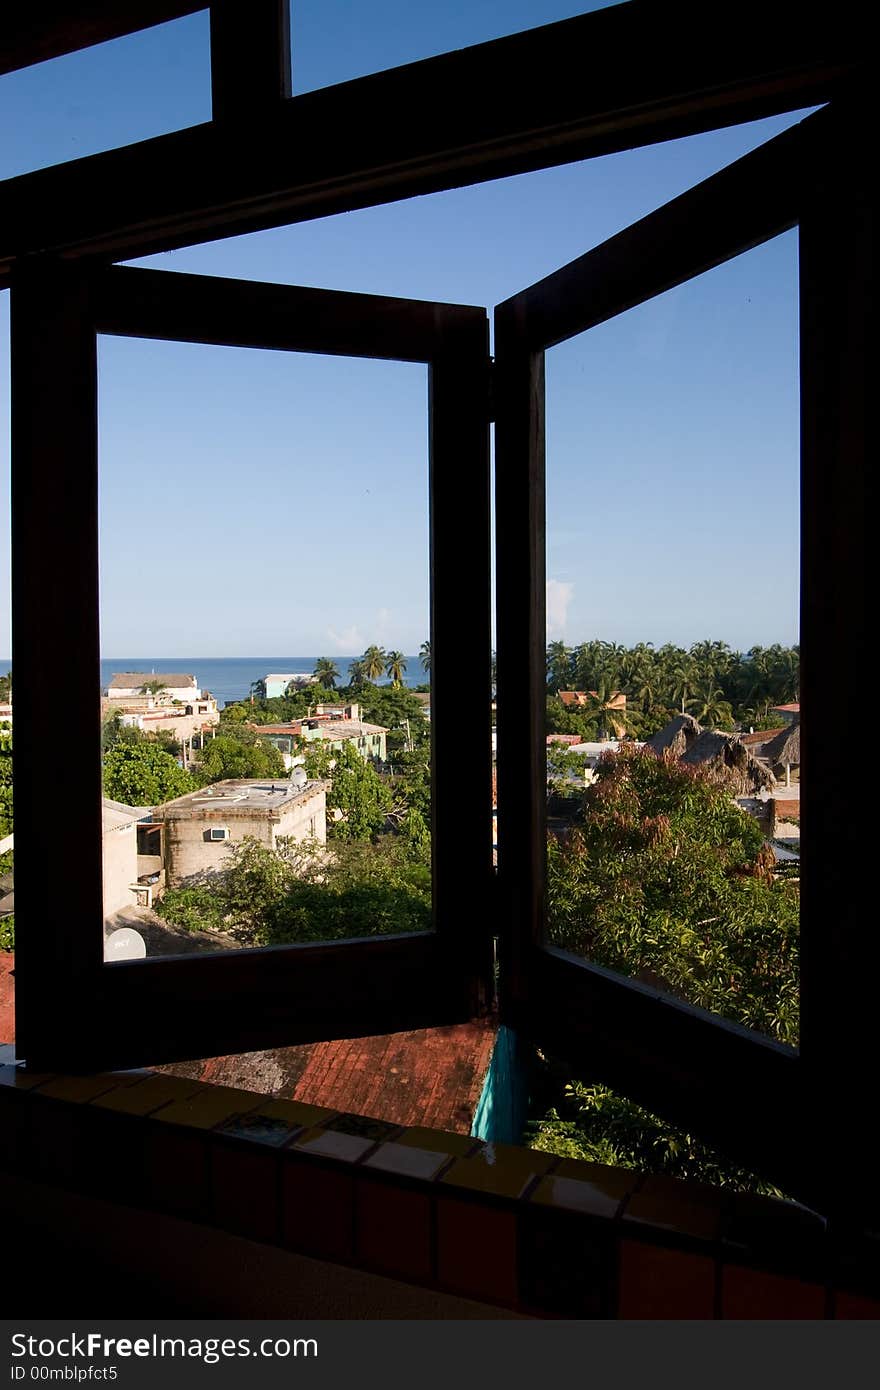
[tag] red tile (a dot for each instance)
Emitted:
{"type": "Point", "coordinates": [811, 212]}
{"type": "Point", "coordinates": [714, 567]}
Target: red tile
{"type": "Point", "coordinates": [753, 1293]}
{"type": "Point", "coordinates": [854, 1305]}
{"type": "Point", "coordinates": [244, 1191]}
{"type": "Point", "coordinates": [476, 1250]}
{"type": "Point", "coordinates": [655, 1282]}
{"type": "Point", "coordinates": [393, 1229]}
{"type": "Point", "coordinates": [317, 1212]}
{"type": "Point", "coordinates": [176, 1170]}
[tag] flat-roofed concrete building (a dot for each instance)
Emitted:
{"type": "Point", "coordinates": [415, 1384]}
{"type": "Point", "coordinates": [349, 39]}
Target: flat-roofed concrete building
{"type": "Point", "coordinates": [199, 827]}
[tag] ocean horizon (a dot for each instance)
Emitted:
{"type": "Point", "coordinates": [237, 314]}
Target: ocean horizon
{"type": "Point", "coordinates": [229, 678]}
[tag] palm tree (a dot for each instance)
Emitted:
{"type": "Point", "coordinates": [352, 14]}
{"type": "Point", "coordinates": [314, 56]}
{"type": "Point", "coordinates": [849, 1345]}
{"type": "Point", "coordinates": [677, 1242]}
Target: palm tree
{"type": "Point", "coordinates": [258, 690]}
{"type": "Point", "coordinates": [395, 665]}
{"type": "Point", "coordinates": [326, 672]}
{"type": "Point", "coordinates": [374, 659]}
{"type": "Point", "coordinates": [710, 708]}
{"type": "Point", "coordinates": [425, 655]}
{"type": "Point", "coordinates": [357, 674]}
{"type": "Point", "coordinates": [558, 666]}
{"type": "Point", "coordinates": [602, 708]}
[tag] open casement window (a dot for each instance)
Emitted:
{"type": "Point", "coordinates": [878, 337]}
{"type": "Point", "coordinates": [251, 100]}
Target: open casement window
{"type": "Point", "coordinates": [757, 1101]}
{"type": "Point", "coordinates": [73, 1010]}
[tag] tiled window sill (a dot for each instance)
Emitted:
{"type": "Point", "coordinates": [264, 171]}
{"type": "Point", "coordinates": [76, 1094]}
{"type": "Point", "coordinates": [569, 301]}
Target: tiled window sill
{"type": "Point", "coordinates": [505, 1225]}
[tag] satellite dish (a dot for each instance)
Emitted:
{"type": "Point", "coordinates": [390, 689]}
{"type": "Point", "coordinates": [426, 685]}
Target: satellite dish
{"type": "Point", "coordinates": [299, 777]}
{"type": "Point", "coordinates": [125, 944]}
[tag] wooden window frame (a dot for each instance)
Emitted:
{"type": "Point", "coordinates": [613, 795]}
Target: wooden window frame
{"type": "Point", "coordinates": [750, 1095]}
{"type": "Point", "coordinates": [73, 1010]}
{"type": "Point", "coordinates": [604, 82]}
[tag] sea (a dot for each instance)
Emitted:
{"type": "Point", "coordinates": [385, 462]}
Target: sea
{"type": "Point", "coordinates": [230, 678]}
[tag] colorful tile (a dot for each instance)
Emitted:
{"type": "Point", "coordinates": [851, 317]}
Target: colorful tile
{"type": "Point", "coordinates": [363, 1127]}
{"type": "Point", "coordinates": [755, 1294]}
{"type": "Point", "coordinates": [257, 1128]}
{"type": "Point", "coordinates": [296, 1113]}
{"type": "Point", "coordinates": [688, 1209]}
{"type": "Point", "coordinates": [408, 1161]}
{"type": "Point", "coordinates": [208, 1107]}
{"type": "Point", "coordinates": [477, 1250]}
{"type": "Point", "coordinates": [657, 1283]}
{"type": "Point", "coordinates": [393, 1229]}
{"type": "Point", "coordinates": [317, 1210]}
{"type": "Point", "coordinates": [593, 1189]}
{"type": "Point", "coordinates": [502, 1169]}
{"type": "Point", "coordinates": [329, 1143]}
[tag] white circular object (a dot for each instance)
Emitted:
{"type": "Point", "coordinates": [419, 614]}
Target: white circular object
{"type": "Point", "coordinates": [125, 944]}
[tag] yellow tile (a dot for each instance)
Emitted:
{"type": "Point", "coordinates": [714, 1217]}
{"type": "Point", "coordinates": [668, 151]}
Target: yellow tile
{"type": "Point", "coordinates": [81, 1089]}
{"type": "Point", "coordinates": [208, 1107]}
{"type": "Point", "coordinates": [500, 1168]}
{"type": "Point", "coordinates": [440, 1140]}
{"type": "Point", "coordinates": [147, 1095]}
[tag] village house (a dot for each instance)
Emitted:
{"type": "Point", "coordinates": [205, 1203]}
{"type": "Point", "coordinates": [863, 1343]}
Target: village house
{"type": "Point", "coordinates": [120, 865]}
{"type": "Point", "coordinates": [332, 724]}
{"type": "Point", "coordinates": [277, 685]}
{"type": "Point", "coordinates": [171, 686]}
{"type": "Point", "coordinates": [198, 828]}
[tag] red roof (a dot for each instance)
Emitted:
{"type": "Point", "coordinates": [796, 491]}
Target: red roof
{"type": "Point", "coordinates": [789, 709]}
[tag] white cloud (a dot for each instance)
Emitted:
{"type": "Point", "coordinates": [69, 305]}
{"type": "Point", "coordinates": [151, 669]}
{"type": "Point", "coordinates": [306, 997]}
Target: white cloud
{"type": "Point", "coordinates": [559, 596]}
{"type": "Point", "coordinates": [349, 642]}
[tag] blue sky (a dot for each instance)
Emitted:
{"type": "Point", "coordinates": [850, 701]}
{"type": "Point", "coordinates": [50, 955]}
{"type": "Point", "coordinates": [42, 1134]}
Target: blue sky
{"type": "Point", "coordinates": [256, 501]}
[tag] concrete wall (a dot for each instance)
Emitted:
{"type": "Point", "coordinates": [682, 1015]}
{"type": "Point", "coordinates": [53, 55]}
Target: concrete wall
{"type": "Point", "coordinates": [189, 852]}
{"type": "Point", "coordinates": [120, 867]}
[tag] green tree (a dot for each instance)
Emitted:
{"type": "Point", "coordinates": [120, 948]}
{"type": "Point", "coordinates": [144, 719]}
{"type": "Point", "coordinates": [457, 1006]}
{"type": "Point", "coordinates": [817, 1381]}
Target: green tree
{"type": "Point", "coordinates": [143, 774]}
{"type": "Point", "coordinates": [559, 671]}
{"type": "Point", "coordinates": [6, 817]}
{"type": "Point", "coordinates": [152, 687]}
{"type": "Point", "coordinates": [258, 690]}
{"type": "Point", "coordinates": [6, 688]}
{"type": "Point", "coordinates": [326, 672]}
{"type": "Point", "coordinates": [373, 662]}
{"type": "Point", "coordinates": [395, 665]}
{"type": "Point", "coordinates": [665, 878]}
{"type": "Point", "coordinates": [360, 794]}
{"type": "Point", "coordinates": [425, 655]}
{"type": "Point", "coordinates": [225, 757]}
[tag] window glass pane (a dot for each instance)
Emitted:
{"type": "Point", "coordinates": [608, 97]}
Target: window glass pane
{"type": "Point", "coordinates": [672, 642]}
{"type": "Point", "coordinates": [132, 88]}
{"type": "Point", "coordinates": [265, 647]}
{"type": "Point", "coordinates": [337, 40]}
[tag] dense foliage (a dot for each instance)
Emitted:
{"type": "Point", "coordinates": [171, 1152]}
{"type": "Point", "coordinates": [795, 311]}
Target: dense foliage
{"type": "Point", "coordinates": [6, 818]}
{"type": "Point", "coordinates": [598, 1125]}
{"type": "Point", "coordinates": [302, 893]}
{"type": "Point", "coordinates": [716, 685]}
{"type": "Point", "coordinates": [143, 774]}
{"type": "Point", "coordinates": [226, 756]}
{"type": "Point", "coordinates": [665, 878]}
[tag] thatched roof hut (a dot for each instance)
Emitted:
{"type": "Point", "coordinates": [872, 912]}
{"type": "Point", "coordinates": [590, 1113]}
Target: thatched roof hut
{"type": "Point", "coordinates": [730, 761]}
{"type": "Point", "coordinates": [675, 737]}
{"type": "Point", "coordinates": [785, 749]}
